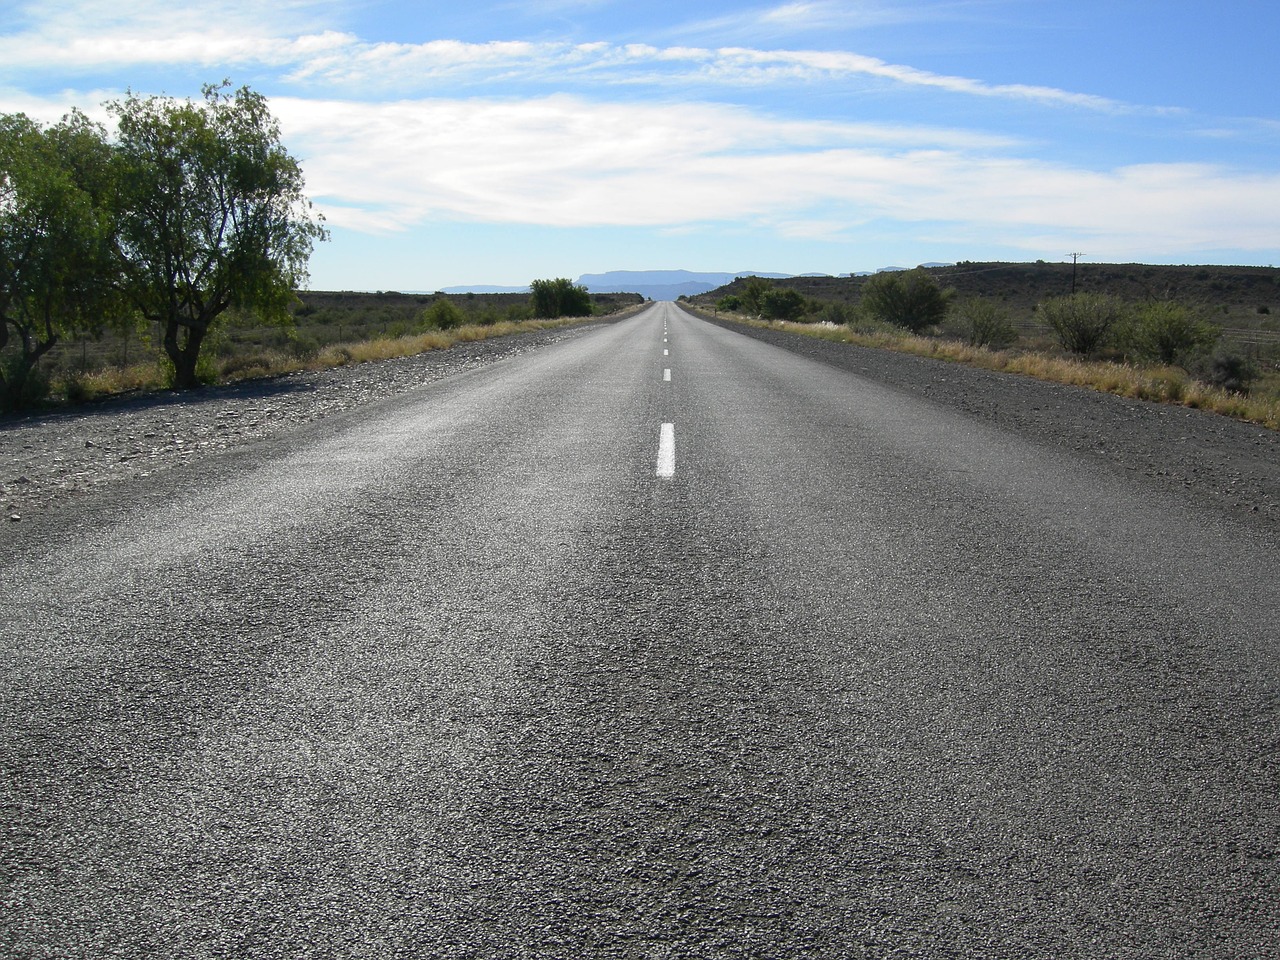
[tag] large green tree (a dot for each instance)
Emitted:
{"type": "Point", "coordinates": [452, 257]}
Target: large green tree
{"type": "Point", "coordinates": [560, 297]}
{"type": "Point", "coordinates": [213, 215]}
{"type": "Point", "coordinates": [56, 267]}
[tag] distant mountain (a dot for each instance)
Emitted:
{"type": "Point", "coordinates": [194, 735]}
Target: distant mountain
{"type": "Point", "coordinates": [482, 288]}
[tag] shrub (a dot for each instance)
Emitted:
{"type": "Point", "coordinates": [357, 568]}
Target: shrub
{"type": "Point", "coordinates": [442, 315]}
{"type": "Point", "coordinates": [981, 323]}
{"type": "Point", "coordinates": [837, 313]}
{"type": "Point", "coordinates": [1083, 322]}
{"type": "Point", "coordinates": [753, 295]}
{"type": "Point", "coordinates": [304, 346]}
{"type": "Point", "coordinates": [1168, 333]}
{"type": "Point", "coordinates": [730, 304]}
{"type": "Point", "coordinates": [782, 303]}
{"type": "Point", "coordinates": [1228, 371]}
{"type": "Point", "coordinates": [909, 299]}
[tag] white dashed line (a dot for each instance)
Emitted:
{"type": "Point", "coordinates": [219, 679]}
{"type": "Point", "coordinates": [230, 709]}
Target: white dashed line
{"type": "Point", "coordinates": [666, 376]}
{"type": "Point", "coordinates": [667, 450]}
{"type": "Point", "coordinates": [666, 353]}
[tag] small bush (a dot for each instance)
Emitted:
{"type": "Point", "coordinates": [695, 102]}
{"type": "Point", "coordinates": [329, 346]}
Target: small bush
{"type": "Point", "coordinates": [442, 315]}
{"type": "Point", "coordinates": [981, 323]}
{"type": "Point", "coordinates": [730, 304]}
{"type": "Point", "coordinates": [303, 346]}
{"type": "Point", "coordinates": [78, 388]}
{"type": "Point", "coordinates": [1083, 322]}
{"type": "Point", "coordinates": [1227, 370]}
{"type": "Point", "coordinates": [837, 313]}
{"type": "Point", "coordinates": [860, 321]}
{"type": "Point", "coordinates": [1168, 333]}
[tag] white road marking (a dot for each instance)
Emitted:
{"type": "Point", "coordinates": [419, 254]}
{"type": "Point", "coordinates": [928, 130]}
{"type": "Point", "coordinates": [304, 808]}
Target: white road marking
{"type": "Point", "coordinates": [666, 376]}
{"type": "Point", "coordinates": [666, 352]}
{"type": "Point", "coordinates": [667, 450]}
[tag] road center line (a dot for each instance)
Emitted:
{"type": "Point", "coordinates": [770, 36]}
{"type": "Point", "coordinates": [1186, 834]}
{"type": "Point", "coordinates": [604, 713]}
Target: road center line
{"type": "Point", "coordinates": [666, 353]}
{"type": "Point", "coordinates": [666, 376]}
{"type": "Point", "coordinates": [667, 450]}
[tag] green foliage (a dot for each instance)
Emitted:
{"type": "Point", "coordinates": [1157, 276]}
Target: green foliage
{"type": "Point", "coordinates": [559, 298]}
{"type": "Point", "coordinates": [982, 323]}
{"type": "Point", "coordinates": [55, 243]}
{"type": "Point", "coordinates": [1083, 322]}
{"type": "Point", "coordinates": [731, 303]}
{"type": "Point", "coordinates": [213, 215]}
{"type": "Point", "coordinates": [1169, 333]}
{"type": "Point", "coordinates": [908, 298]}
{"type": "Point", "coordinates": [753, 295]}
{"type": "Point", "coordinates": [835, 312]}
{"type": "Point", "coordinates": [782, 303]}
{"type": "Point", "coordinates": [443, 315]}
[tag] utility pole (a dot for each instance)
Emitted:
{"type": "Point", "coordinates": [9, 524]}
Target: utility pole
{"type": "Point", "coordinates": [1075, 258]}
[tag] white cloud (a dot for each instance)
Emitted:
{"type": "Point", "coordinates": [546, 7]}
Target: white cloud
{"type": "Point", "coordinates": [564, 161]}
{"type": "Point", "coordinates": [89, 35]}
{"type": "Point", "coordinates": [92, 35]}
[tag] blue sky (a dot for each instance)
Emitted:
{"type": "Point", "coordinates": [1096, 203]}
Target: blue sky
{"type": "Point", "coordinates": [497, 142]}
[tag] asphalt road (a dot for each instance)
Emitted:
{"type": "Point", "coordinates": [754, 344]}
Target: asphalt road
{"type": "Point", "coordinates": [465, 674]}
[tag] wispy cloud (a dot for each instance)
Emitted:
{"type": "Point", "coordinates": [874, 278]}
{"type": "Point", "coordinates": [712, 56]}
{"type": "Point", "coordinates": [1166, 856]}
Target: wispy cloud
{"type": "Point", "coordinates": [80, 38]}
{"type": "Point", "coordinates": [412, 64]}
{"type": "Point", "coordinates": [809, 16]}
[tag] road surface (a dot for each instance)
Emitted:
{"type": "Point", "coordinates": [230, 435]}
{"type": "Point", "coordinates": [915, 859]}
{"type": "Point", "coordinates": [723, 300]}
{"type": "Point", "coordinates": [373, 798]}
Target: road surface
{"type": "Point", "coordinates": [661, 642]}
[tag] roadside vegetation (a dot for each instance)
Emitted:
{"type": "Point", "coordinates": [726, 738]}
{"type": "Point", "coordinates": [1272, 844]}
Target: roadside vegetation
{"type": "Point", "coordinates": [171, 255]}
{"type": "Point", "coordinates": [192, 211]}
{"type": "Point", "coordinates": [1162, 350]}
{"type": "Point", "coordinates": [325, 330]}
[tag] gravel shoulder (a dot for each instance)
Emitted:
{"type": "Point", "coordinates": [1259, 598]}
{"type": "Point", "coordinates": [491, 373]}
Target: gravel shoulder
{"type": "Point", "coordinates": [50, 460]}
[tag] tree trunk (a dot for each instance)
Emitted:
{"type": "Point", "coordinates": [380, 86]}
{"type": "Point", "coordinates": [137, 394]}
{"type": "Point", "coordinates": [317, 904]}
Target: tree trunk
{"type": "Point", "coordinates": [17, 387]}
{"type": "Point", "coordinates": [183, 354]}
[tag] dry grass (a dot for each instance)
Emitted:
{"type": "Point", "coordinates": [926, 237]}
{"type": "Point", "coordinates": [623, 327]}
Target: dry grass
{"type": "Point", "coordinates": [83, 386]}
{"type": "Point", "coordinates": [1159, 384]}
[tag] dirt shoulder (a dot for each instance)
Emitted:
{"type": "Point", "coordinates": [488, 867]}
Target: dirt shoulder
{"type": "Point", "coordinates": [1217, 462]}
